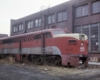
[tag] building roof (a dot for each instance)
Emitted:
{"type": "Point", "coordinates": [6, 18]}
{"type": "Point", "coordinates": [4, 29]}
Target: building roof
{"type": "Point", "coordinates": [3, 35]}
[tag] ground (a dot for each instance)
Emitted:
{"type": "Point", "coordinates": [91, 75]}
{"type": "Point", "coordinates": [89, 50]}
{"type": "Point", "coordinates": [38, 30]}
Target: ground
{"type": "Point", "coordinates": [28, 71]}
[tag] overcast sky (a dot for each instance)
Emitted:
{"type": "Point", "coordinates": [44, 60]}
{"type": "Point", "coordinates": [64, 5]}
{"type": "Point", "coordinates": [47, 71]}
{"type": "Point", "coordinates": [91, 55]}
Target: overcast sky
{"type": "Point", "coordinates": [14, 9]}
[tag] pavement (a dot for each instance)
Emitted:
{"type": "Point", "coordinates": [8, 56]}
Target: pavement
{"type": "Point", "coordinates": [34, 72]}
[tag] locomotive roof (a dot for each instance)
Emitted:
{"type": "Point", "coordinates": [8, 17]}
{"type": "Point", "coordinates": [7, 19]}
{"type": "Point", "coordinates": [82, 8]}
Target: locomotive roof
{"type": "Point", "coordinates": [36, 32]}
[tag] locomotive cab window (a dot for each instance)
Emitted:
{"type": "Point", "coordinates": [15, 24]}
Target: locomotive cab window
{"type": "Point", "coordinates": [37, 36]}
{"type": "Point", "coordinates": [72, 41]}
{"type": "Point", "coordinates": [48, 35]}
{"type": "Point", "coordinates": [67, 32]}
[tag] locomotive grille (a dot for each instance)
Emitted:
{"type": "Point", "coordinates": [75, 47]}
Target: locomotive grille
{"type": "Point", "coordinates": [72, 41]}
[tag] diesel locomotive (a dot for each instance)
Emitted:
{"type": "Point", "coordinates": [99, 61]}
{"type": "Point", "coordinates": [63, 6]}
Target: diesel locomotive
{"type": "Point", "coordinates": [52, 46]}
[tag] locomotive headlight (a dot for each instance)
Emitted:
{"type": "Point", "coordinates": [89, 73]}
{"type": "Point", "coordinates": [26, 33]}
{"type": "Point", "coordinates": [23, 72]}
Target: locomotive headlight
{"type": "Point", "coordinates": [82, 37]}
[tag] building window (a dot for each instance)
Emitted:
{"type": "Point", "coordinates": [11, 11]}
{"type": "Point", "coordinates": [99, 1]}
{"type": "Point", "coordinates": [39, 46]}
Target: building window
{"type": "Point", "coordinates": [38, 36]}
{"type": "Point", "coordinates": [78, 29]}
{"type": "Point", "coordinates": [85, 30]}
{"type": "Point", "coordinates": [15, 29]}
{"type": "Point", "coordinates": [62, 16]}
{"type": "Point", "coordinates": [96, 7]}
{"type": "Point", "coordinates": [20, 26]}
{"type": "Point", "coordinates": [82, 11]}
{"type": "Point", "coordinates": [37, 22]}
{"type": "Point", "coordinates": [51, 19]}
{"type": "Point", "coordinates": [30, 24]}
{"type": "Point", "coordinates": [92, 32]}
{"type": "Point", "coordinates": [94, 37]}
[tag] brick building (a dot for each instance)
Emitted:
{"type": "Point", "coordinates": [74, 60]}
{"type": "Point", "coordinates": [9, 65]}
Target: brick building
{"type": "Point", "coordinates": [82, 16]}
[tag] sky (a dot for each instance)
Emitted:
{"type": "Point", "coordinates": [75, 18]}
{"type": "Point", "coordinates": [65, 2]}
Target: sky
{"type": "Point", "coordinates": [15, 9]}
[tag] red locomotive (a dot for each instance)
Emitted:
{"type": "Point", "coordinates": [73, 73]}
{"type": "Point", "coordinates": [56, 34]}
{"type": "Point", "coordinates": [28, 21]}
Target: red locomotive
{"type": "Point", "coordinates": [52, 46]}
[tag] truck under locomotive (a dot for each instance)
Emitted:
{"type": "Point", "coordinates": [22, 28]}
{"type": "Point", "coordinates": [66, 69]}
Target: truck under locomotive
{"type": "Point", "coordinates": [51, 46]}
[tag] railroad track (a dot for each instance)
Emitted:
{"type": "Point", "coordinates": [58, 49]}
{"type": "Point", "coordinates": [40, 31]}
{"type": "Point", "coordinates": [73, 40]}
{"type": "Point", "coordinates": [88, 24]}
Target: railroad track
{"type": "Point", "coordinates": [90, 64]}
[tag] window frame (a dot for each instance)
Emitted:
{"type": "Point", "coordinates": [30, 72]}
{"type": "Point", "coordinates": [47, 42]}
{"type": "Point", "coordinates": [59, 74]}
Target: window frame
{"type": "Point", "coordinates": [30, 24]}
{"type": "Point", "coordinates": [20, 27]}
{"type": "Point", "coordinates": [82, 12]}
{"type": "Point", "coordinates": [15, 28]}
{"type": "Point", "coordinates": [92, 7]}
{"type": "Point", "coordinates": [38, 22]}
{"type": "Point", "coordinates": [37, 38]}
{"type": "Point", "coordinates": [93, 34]}
{"type": "Point", "coordinates": [47, 36]}
{"type": "Point", "coordinates": [61, 16]}
{"type": "Point", "coordinates": [51, 19]}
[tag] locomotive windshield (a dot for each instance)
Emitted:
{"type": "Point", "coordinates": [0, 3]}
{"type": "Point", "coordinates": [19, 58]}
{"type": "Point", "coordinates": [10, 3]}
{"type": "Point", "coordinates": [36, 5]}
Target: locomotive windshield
{"type": "Point", "coordinates": [58, 32]}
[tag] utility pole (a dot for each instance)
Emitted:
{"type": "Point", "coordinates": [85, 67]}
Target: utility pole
{"type": "Point", "coordinates": [41, 14]}
{"type": "Point", "coordinates": [43, 56]}
{"type": "Point", "coordinates": [44, 8]}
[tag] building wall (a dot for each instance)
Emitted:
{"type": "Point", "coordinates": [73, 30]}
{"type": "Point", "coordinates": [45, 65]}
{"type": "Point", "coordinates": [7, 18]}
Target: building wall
{"type": "Point", "coordinates": [66, 25]}
{"type": "Point", "coordinates": [90, 18]}
{"type": "Point", "coordinates": [88, 24]}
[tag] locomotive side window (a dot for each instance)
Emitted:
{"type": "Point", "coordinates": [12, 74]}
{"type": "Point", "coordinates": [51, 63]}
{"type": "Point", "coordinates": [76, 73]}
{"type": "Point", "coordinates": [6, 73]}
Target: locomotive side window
{"type": "Point", "coordinates": [37, 36]}
{"type": "Point", "coordinates": [7, 41]}
{"type": "Point", "coordinates": [15, 40]}
{"type": "Point", "coordinates": [72, 41]}
{"type": "Point", "coordinates": [0, 42]}
{"type": "Point", "coordinates": [48, 35]}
